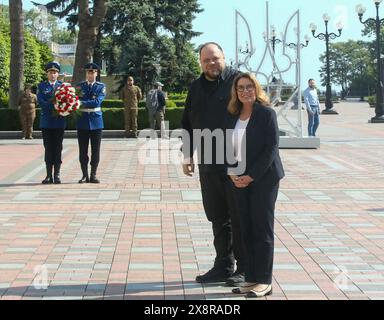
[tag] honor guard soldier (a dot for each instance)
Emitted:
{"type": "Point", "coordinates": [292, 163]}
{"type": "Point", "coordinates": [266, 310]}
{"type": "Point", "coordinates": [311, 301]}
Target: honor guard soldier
{"type": "Point", "coordinates": [90, 124]}
{"type": "Point", "coordinates": [52, 126]}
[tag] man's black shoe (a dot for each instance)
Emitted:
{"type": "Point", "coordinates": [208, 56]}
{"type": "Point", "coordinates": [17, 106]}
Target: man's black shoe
{"type": "Point", "coordinates": [47, 180]}
{"type": "Point", "coordinates": [236, 279]}
{"type": "Point", "coordinates": [56, 175]}
{"type": "Point", "coordinates": [93, 179]}
{"type": "Point", "coordinates": [84, 179]}
{"type": "Point", "coordinates": [214, 275]}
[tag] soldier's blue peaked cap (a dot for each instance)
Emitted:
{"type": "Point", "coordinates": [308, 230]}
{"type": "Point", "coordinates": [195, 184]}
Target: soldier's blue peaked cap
{"type": "Point", "coordinates": [91, 66]}
{"type": "Point", "coordinates": [53, 66]}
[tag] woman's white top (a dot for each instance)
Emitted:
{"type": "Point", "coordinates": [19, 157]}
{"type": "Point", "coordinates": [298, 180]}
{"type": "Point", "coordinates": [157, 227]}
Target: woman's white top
{"type": "Point", "coordinates": [238, 136]}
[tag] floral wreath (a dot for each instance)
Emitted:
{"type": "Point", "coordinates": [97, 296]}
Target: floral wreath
{"type": "Point", "coordinates": [66, 100]}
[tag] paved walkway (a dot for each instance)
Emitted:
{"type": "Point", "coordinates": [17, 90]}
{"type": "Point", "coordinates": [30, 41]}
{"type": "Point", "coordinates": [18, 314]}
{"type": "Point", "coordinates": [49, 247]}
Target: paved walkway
{"type": "Point", "coordinates": [142, 233]}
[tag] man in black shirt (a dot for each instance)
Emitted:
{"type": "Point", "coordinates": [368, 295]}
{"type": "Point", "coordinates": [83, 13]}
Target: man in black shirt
{"type": "Point", "coordinates": [206, 109]}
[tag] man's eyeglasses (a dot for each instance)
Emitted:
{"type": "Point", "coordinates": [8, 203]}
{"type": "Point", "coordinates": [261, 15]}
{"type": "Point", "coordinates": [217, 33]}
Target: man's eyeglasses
{"type": "Point", "coordinates": [248, 88]}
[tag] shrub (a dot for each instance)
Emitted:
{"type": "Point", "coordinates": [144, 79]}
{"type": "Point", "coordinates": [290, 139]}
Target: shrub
{"type": "Point", "coordinates": [32, 65]}
{"type": "Point", "coordinates": [9, 119]}
{"type": "Point", "coordinates": [177, 96]}
{"type": "Point", "coordinates": [4, 99]}
{"type": "Point", "coordinates": [170, 104]}
{"type": "Point", "coordinates": [174, 117]}
{"type": "Point", "coordinates": [4, 62]}
{"type": "Point", "coordinates": [109, 103]}
{"type": "Point", "coordinates": [371, 100]}
{"type": "Point", "coordinates": [179, 102]}
{"type": "Point", "coordinates": [113, 119]}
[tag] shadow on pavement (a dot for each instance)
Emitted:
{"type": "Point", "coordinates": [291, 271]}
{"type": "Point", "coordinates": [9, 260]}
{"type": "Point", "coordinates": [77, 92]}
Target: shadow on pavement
{"type": "Point", "coordinates": [31, 184]}
{"type": "Point", "coordinates": [128, 291]}
{"type": "Point", "coordinates": [376, 209]}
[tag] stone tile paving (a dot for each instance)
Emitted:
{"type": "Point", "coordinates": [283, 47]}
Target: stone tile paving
{"type": "Point", "coordinates": [142, 233]}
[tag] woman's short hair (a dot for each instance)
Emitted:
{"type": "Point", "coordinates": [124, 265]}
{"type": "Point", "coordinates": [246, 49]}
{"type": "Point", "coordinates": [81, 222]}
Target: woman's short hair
{"type": "Point", "coordinates": [235, 105]}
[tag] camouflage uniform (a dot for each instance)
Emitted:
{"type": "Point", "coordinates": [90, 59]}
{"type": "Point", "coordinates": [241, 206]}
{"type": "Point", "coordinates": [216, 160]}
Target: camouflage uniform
{"type": "Point", "coordinates": [131, 95]}
{"type": "Point", "coordinates": [27, 109]}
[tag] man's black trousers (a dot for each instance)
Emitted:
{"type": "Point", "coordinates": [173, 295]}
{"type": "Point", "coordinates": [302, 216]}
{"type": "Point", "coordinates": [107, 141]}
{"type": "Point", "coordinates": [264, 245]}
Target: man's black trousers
{"type": "Point", "coordinates": [219, 207]}
{"type": "Point", "coordinates": [53, 145]}
{"type": "Point", "coordinates": [83, 137]}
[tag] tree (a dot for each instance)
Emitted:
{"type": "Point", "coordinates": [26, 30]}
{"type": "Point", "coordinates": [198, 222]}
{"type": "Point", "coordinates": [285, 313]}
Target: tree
{"type": "Point", "coordinates": [178, 70]}
{"type": "Point", "coordinates": [345, 59]}
{"type": "Point", "coordinates": [88, 18]}
{"type": "Point", "coordinates": [45, 57]}
{"type": "Point", "coordinates": [36, 56]}
{"type": "Point", "coordinates": [5, 48]}
{"type": "Point", "coordinates": [144, 35]}
{"type": "Point", "coordinates": [363, 80]}
{"type": "Point", "coordinates": [4, 11]}
{"type": "Point", "coordinates": [53, 32]}
{"type": "Point", "coordinates": [131, 33]}
{"type": "Point", "coordinates": [5, 53]}
{"type": "Point", "coordinates": [16, 18]}
{"type": "Point", "coordinates": [32, 60]}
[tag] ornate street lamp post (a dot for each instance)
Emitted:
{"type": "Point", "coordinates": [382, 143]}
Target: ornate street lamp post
{"type": "Point", "coordinates": [302, 45]}
{"type": "Point", "coordinates": [294, 46]}
{"type": "Point", "coordinates": [246, 50]}
{"type": "Point", "coordinates": [379, 118]}
{"type": "Point", "coordinates": [327, 36]}
{"type": "Point", "coordinates": [273, 38]}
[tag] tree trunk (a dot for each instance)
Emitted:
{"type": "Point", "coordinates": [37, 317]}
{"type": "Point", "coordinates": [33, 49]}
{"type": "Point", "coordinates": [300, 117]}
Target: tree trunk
{"type": "Point", "coordinates": [16, 18]}
{"type": "Point", "coordinates": [87, 39]}
{"type": "Point", "coordinates": [97, 54]}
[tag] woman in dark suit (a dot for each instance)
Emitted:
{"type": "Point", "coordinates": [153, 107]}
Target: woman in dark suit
{"type": "Point", "coordinates": [254, 178]}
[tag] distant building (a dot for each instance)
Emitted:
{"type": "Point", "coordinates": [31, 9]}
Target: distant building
{"type": "Point", "coordinates": [63, 50]}
{"type": "Point", "coordinates": [65, 54]}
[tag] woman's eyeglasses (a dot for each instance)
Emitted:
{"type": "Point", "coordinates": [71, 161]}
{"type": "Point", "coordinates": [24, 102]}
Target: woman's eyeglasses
{"type": "Point", "coordinates": [248, 88]}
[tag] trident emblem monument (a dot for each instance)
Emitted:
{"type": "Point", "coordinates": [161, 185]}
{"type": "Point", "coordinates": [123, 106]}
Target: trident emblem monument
{"type": "Point", "coordinates": [290, 118]}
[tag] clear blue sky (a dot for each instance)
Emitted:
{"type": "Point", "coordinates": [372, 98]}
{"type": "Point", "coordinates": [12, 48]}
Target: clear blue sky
{"type": "Point", "coordinates": [217, 22]}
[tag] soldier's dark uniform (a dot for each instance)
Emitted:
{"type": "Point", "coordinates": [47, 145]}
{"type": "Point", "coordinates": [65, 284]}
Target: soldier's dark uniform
{"type": "Point", "coordinates": [90, 125]}
{"type": "Point", "coordinates": [52, 126]}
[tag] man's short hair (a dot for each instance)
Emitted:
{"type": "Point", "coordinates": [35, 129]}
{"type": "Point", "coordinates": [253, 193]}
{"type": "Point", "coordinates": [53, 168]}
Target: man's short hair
{"type": "Point", "coordinates": [311, 80]}
{"type": "Point", "coordinates": [207, 44]}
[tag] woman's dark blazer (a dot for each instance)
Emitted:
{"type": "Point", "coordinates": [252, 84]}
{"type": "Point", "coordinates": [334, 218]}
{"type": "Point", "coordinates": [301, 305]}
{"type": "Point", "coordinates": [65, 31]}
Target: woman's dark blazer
{"type": "Point", "coordinates": [263, 162]}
